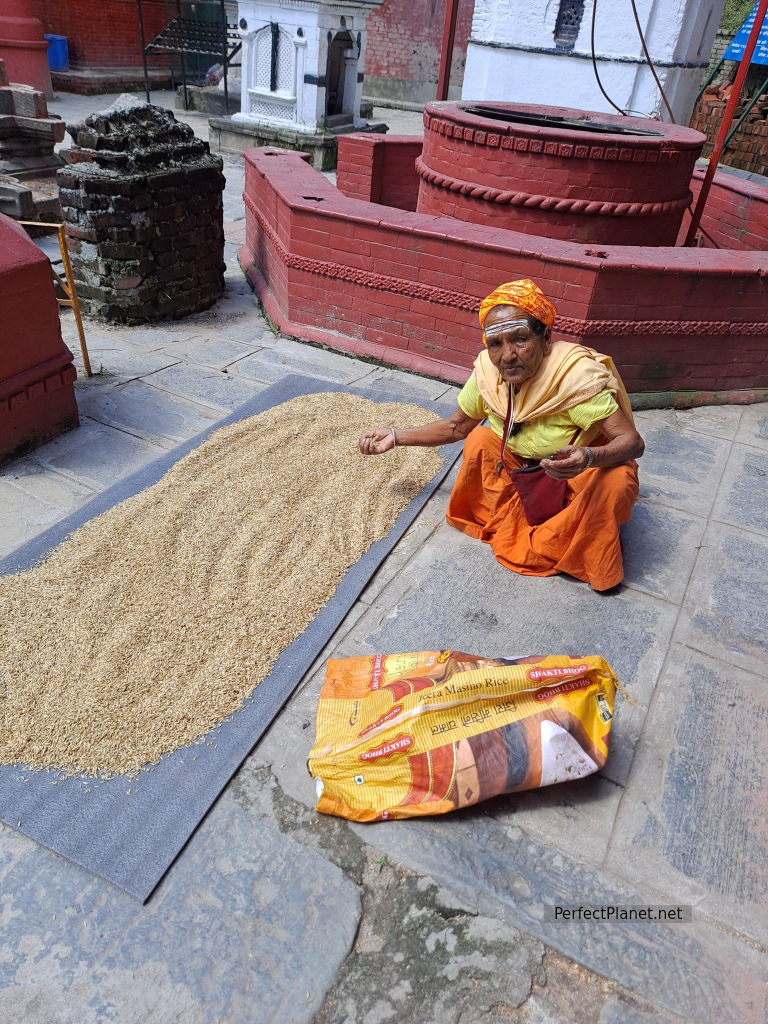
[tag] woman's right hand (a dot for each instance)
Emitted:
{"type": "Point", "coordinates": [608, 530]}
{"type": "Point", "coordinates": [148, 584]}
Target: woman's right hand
{"type": "Point", "coordinates": [377, 441]}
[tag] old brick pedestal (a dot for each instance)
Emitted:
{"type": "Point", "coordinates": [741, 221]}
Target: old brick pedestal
{"type": "Point", "coordinates": [37, 398]}
{"type": "Point", "coordinates": [142, 202]}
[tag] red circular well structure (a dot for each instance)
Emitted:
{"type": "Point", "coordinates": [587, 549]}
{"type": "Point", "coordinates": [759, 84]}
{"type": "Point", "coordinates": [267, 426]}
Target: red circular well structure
{"type": "Point", "coordinates": [561, 173]}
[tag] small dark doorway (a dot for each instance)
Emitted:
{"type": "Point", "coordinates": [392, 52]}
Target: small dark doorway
{"type": "Point", "coordinates": [337, 67]}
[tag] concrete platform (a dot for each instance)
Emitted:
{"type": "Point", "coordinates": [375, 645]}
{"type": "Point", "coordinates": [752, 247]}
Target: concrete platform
{"type": "Point", "coordinates": [276, 914]}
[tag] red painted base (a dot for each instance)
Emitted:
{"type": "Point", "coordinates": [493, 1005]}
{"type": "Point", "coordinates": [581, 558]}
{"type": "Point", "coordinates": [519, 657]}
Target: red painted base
{"type": "Point", "coordinates": [37, 398]}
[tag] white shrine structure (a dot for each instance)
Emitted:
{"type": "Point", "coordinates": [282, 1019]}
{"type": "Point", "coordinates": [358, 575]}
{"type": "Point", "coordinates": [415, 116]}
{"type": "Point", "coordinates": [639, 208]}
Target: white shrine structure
{"type": "Point", "coordinates": [540, 52]}
{"type": "Point", "coordinates": [302, 76]}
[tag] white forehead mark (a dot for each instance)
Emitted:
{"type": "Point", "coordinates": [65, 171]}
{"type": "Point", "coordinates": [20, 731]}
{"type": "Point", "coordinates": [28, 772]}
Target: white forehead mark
{"type": "Point", "coordinates": [501, 326]}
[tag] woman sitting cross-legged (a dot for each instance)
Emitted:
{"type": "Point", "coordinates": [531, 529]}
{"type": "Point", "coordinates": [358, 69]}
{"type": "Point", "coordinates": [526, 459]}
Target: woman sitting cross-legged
{"type": "Point", "coordinates": [554, 500]}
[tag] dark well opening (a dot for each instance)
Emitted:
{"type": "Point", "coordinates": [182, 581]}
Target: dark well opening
{"type": "Point", "coordinates": [581, 124]}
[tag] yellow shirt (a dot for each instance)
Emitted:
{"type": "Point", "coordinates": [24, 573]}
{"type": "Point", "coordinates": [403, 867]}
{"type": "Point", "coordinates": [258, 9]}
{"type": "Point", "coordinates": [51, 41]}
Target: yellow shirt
{"type": "Point", "coordinates": [543, 436]}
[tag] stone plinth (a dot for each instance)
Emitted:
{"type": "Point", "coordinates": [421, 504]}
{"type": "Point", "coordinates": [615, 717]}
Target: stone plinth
{"type": "Point", "coordinates": [37, 398]}
{"type": "Point", "coordinates": [142, 203]}
{"type": "Point", "coordinates": [557, 172]}
{"type": "Point", "coordinates": [27, 134]}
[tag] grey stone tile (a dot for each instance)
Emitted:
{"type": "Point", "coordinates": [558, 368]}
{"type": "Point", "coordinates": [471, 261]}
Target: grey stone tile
{"type": "Point", "coordinates": [277, 359]}
{"type": "Point", "coordinates": [511, 875]}
{"type": "Point", "coordinates": [742, 498]}
{"type": "Point", "coordinates": [97, 455]}
{"type": "Point", "coordinates": [455, 595]}
{"type": "Point", "coordinates": [660, 545]}
{"type": "Point", "coordinates": [112, 359]}
{"type": "Point", "coordinates": [693, 818]}
{"type": "Point", "coordinates": [202, 384]}
{"type": "Point", "coordinates": [753, 428]}
{"type": "Point", "coordinates": [147, 412]}
{"type": "Point", "coordinates": [23, 516]}
{"type": "Point", "coordinates": [275, 918]}
{"type": "Point", "coordinates": [299, 351]}
{"type": "Point", "coordinates": [682, 469]}
{"type": "Point", "coordinates": [576, 818]}
{"type": "Point", "coordinates": [152, 338]}
{"type": "Point", "coordinates": [726, 609]}
{"type": "Point", "coordinates": [47, 486]}
{"type": "Point", "coordinates": [717, 420]}
{"type": "Point", "coordinates": [399, 383]}
{"type": "Point", "coordinates": [208, 350]}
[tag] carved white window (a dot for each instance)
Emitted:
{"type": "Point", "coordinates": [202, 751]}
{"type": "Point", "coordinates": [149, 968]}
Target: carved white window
{"type": "Point", "coordinates": [284, 68]}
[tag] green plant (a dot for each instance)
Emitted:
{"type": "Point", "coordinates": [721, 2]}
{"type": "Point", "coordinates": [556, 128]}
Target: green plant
{"type": "Point", "coordinates": [734, 14]}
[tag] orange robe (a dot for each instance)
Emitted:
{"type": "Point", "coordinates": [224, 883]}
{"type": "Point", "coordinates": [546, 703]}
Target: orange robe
{"type": "Point", "coordinates": [582, 540]}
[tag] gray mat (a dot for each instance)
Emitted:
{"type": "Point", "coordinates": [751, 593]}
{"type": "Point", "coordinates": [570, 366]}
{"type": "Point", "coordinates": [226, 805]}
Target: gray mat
{"type": "Point", "coordinates": [129, 831]}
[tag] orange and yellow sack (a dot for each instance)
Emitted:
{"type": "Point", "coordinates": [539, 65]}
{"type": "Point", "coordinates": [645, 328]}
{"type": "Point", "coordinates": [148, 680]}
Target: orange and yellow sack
{"type": "Point", "coordinates": [402, 735]}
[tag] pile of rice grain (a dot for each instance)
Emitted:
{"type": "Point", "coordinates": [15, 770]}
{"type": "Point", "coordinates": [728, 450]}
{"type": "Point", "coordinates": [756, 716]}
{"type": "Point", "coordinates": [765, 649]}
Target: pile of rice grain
{"type": "Point", "coordinates": [155, 621]}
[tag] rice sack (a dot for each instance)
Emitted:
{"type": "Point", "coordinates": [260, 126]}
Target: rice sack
{"type": "Point", "coordinates": [402, 735]}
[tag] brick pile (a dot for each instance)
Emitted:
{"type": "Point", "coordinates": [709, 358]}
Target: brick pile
{"type": "Point", "coordinates": [142, 201]}
{"type": "Point", "coordinates": [748, 149]}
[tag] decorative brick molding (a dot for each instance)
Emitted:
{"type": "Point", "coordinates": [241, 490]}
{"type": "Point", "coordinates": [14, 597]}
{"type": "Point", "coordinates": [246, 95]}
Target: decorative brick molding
{"type": "Point", "coordinates": [523, 143]}
{"type": "Point", "coordinates": [557, 204]}
{"type": "Point", "coordinates": [625, 328]}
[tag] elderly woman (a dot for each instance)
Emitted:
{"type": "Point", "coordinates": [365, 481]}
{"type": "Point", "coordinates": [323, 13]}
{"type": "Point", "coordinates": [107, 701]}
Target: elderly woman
{"type": "Point", "coordinates": [556, 411]}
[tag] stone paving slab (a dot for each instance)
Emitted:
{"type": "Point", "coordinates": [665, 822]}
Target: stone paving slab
{"type": "Point", "coordinates": [753, 428]}
{"type": "Point", "coordinates": [682, 469]}
{"type": "Point", "coordinates": [726, 614]}
{"type": "Point", "coordinates": [660, 547]}
{"type": "Point", "coordinates": [23, 515]}
{"type": "Point", "coordinates": [96, 455]}
{"type": "Point", "coordinates": [266, 911]}
{"type": "Point", "coordinates": [693, 823]}
{"type": "Point", "coordinates": [743, 495]}
{"type": "Point", "coordinates": [215, 351]}
{"type": "Point", "coordinates": [215, 389]}
{"type": "Point", "coordinates": [693, 967]}
{"type": "Point", "coordinates": [145, 411]}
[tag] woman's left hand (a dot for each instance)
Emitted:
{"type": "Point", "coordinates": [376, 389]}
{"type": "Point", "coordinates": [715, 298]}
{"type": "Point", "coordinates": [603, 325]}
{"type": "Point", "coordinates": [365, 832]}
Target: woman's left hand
{"type": "Point", "coordinates": [569, 463]}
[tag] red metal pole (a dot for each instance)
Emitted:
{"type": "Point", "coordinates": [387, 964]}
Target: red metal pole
{"type": "Point", "coordinates": [725, 124]}
{"type": "Point", "coordinates": [446, 54]}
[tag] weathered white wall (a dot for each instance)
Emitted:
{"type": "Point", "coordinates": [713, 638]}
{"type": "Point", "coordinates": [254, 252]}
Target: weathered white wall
{"type": "Point", "coordinates": [301, 105]}
{"type": "Point", "coordinates": [675, 30]}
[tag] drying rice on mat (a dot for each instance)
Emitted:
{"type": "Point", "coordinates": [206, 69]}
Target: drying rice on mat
{"type": "Point", "coordinates": [154, 622]}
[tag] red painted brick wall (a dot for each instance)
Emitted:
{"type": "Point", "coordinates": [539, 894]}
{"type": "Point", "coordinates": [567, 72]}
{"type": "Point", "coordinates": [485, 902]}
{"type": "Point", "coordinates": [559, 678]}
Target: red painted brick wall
{"type": "Point", "coordinates": [379, 169]}
{"type": "Point", "coordinates": [405, 37]}
{"type": "Point", "coordinates": [736, 214]}
{"type": "Point", "coordinates": [405, 287]}
{"type": "Point", "coordinates": [103, 33]}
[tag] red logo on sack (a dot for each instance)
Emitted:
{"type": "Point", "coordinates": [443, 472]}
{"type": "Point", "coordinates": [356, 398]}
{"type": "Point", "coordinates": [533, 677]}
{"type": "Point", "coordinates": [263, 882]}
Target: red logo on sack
{"type": "Point", "coordinates": [396, 746]}
{"type": "Point", "coordinates": [548, 693]}
{"type": "Point", "coordinates": [392, 713]}
{"type": "Point", "coordinates": [377, 672]}
{"type": "Point", "coordinates": [556, 672]}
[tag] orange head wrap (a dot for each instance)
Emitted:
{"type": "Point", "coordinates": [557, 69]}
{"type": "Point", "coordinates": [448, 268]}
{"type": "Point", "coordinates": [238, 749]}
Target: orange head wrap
{"type": "Point", "coordinates": [526, 296]}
